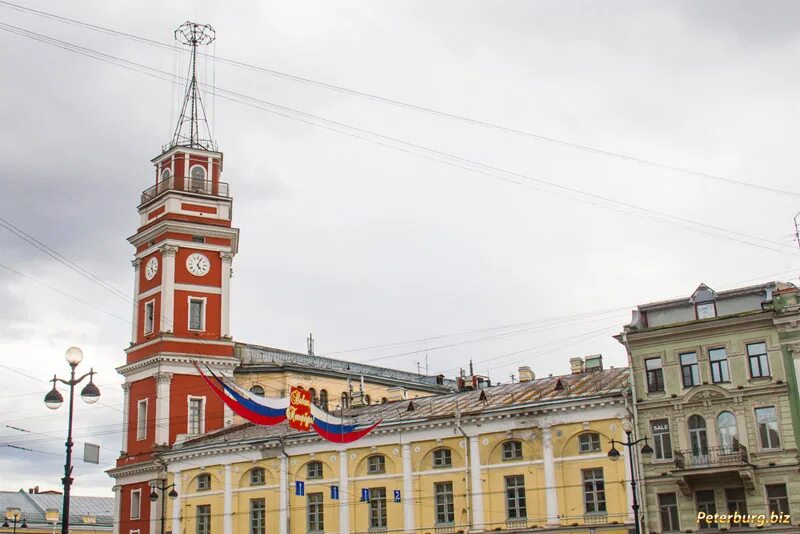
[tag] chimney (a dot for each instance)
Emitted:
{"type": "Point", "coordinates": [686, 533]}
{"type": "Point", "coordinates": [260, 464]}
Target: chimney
{"type": "Point", "coordinates": [576, 365]}
{"type": "Point", "coordinates": [525, 374]}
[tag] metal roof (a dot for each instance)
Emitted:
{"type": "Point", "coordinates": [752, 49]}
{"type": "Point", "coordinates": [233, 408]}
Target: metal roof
{"type": "Point", "coordinates": [540, 392]}
{"type": "Point", "coordinates": [255, 355]}
{"type": "Point", "coordinates": [33, 507]}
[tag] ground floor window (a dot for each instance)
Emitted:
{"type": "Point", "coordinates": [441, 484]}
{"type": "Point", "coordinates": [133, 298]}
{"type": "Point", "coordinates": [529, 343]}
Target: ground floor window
{"type": "Point", "coordinates": [668, 506]}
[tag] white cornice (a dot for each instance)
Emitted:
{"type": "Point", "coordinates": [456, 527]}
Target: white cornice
{"type": "Point", "coordinates": [205, 230]}
{"type": "Point", "coordinates": [170, 361]}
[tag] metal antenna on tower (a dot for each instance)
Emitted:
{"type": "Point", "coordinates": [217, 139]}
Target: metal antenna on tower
{"type": "Point", "coordinates": [193, 113]}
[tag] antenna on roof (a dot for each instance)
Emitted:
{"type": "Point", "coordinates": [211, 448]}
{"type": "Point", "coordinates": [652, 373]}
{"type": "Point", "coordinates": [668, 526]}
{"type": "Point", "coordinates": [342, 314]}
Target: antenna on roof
{"type": "Point", "coordinates": [310, 343]}
{"type": "Point", "coordinates": [193, 113]}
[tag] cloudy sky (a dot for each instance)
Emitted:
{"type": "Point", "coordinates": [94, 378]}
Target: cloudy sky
{"type": "Point", "coordinates": [502, 247]}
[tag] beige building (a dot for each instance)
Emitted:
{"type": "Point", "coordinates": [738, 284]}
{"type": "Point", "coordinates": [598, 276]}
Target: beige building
{"type": "Point", "coordinates": [518, 457]}
{"type": "Point", "coordinates": [715, 392]}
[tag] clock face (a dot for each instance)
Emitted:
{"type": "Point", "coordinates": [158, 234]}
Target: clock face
{"type": "Point", "coordinates": [151, 268]}
{"type": "Point", "coordinates": [198, 264]}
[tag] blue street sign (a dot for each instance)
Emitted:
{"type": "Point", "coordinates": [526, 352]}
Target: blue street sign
{"type": "Point", "coordinates": [335, 493]}
{"type": "Point", "coordinates": [396, 495]}
{"type": "Point", "coordinates": [365, 495]}
{"type": "Point", "coordinates": [300, 488]}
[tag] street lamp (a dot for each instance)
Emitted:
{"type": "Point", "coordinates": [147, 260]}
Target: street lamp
{"type": "Point", "coordinates": [162, 487]}
{"type": "Point", "coordinates": [53, 400]}
{"type": "Point", "coordinates": [13, 514]}
{"type": "Point", "coordinates": [614, 455]}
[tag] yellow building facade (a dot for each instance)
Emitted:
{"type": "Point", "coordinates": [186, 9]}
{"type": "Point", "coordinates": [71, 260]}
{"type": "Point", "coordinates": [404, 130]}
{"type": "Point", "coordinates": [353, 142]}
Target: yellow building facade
{"type": "Point", "coordinates": [517, 457]}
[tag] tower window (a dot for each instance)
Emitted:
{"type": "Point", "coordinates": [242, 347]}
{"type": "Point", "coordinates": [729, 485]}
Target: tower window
{"type": "Point", "coordinates": [136, 503]}
{"type": "Point", "coordinates": [196, 415]}
{"type": "Point", "coordinates": [197, 181]}
{"type": "Point", "coordinates": [141, 419]}
{"type": "Point", "coordinates": [198, 239]}
{"type": "Point", "coordinates": [149, 316]}
{"type": "Point", "coordinates": [197, 313]}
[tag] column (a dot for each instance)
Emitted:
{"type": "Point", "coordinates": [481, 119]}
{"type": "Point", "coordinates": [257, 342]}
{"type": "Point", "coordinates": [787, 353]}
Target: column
{"type": "Point", "coordinates": [137, 263]}
{"type": "Point", "coordinates": [117, 507]}
{"type": "Point", "coordinates": [476, 487]}
{"type": "Point", "coordinates": [126, 409]}
{"type": "Point", "coordinates": [551, 495]}
{"type": "Point", "coordinates": [163, 381]}
{"type": "Point", "coordinates": [227, 260]}
{"type": "Point", "coordinates": [155, 518]}
{"type": "Point", "coordinates": [283, 503]}
{"type": "Point", "coordinates": [344, 494]}
{"type": "Point", "coordinates": [176, 504]}
{"type": "Point", "coordinates": [227, 503]}
{"type": "Point", "coordinates": [408, 491]}
{"type": "Point", "coordinates": [628, 490]}
{"type": "Point", "coordinates": [167, 319]}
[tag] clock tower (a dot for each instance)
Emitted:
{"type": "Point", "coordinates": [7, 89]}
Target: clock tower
{"type": "Point", "coordinates": [184, 248]}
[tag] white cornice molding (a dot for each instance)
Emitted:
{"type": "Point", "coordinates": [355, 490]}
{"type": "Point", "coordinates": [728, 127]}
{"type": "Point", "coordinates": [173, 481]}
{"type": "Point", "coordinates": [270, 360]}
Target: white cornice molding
{"type": "Point", "coordinates": [185, 227]}
{"type": "Point", "coordinates": [699, 329]}
{"type": "Point", "coordinates": [181, 361]}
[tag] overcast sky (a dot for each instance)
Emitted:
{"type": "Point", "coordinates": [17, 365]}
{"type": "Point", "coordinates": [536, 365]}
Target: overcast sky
{"type": "Point", "coordinates": [364, 244]}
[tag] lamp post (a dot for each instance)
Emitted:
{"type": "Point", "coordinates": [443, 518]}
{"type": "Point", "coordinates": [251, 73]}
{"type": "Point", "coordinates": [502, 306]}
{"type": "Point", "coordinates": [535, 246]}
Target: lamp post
{"type": "Point", "coordinates": [13, 515]}
{"type": "Point", "coordinates": [90, 394]}
{"type": "Point", "coordinates": [162, 487]}
{"type": "Point", "coordinates": [614, 455]}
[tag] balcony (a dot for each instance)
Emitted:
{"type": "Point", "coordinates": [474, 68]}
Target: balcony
{"type": "Point", "coordinates": [714, 457]}
{"type": "Point", "coordinates": [724, 464]}
{"type": "Point", "coordinates": [189, 185]}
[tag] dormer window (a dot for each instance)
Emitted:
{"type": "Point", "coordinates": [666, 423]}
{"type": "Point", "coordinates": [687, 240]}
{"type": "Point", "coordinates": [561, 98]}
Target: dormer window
{"type": "Point", "coordinates": [705, 310]}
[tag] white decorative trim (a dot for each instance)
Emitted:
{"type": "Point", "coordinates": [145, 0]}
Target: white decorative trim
{"type": "Point", "coordinates": [202, 399]}
{"type": "Point", "coordinates": [143, 435]}
{"type": "Point", "coordinates": [138, 492]}
{"type": "Point", "coordinates": [196, 288]}
{"type": "Point", "coordinates": [189, 300]}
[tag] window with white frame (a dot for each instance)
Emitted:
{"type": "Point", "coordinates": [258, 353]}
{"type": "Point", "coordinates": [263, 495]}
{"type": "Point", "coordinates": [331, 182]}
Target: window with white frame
{"type": "Point", "coordinates": [690, 370]}
{"type": "Point", "coordinates": [376, 464]}
{"type": "Point", "coordinates": [512, 450]}
{"type": "Point", "coordinates": [258, 476]}
{"type": "Point", "coordinates": [589, 442]}
{"type": "Point", "coordinates": [196, 416]}
{"type": "Point", "coordinates": [718, 358]}
{"type": "Point", "coordinates": [443, 500]}
{"type": "Point", "coordinates": [768, 432]}
{"type": "Point", "coordinates": [203, 482]}
{"type": "Point", "coordinates": [315, 513]}
{"type": "Point", "coordinates": [594, 491]}
{"type": "Point", "coordinates": [203, 519]}
{"type": "Point", "coordinates": [668, 508]}
{"type": "Point", "coordinates": [149, 316]}
{"type": "Point", "coordinates": [777, 499]}
{"type": "Point", "coordinates": [141, 419]}
{"type": "Point", "coordinates": [314, 470]}
{"type": "Point", "coordinates": [442, 458]}
{"type": "Point", "coordinates": [662, 442]}
{"type": "Point", "coordinates": [197, 313]}
{"type": "Point", "coordinates": [136, 503]}
{"type": "Point", "coordinates": [759, 359]}
{"type": "Point", "coordinates": [516, 507]}
{"type": "Point", "coordinates": [258, 516]}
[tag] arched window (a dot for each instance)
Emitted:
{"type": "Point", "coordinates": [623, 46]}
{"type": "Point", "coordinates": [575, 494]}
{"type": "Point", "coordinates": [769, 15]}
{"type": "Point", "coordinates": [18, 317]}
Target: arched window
{"type": "Point", "coordinates": [198, 178]}
{"type": "Point", "coordinates": [345, 399]}
{"type": "Point", "coordinates": [257, 390]}
{"type": "Point", "coordinates": [368, 399]}
{"type": "Point", "coordinates": [323, 399]}
{"type": "Point", "coordinates": [726, 424]}
{"type": "Point", "coordinates": [164, 180]}
{"type": "Point", "coordinates": [166, 174]}
{"type": "Point", "coordinates": [698, 438]}
{"type": "Point", "coordinates": [314, 399]}
{"type": "Point", "coordinates": [384, 400]}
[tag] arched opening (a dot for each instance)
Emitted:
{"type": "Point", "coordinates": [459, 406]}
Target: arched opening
{"type": "Point", "coordinates": [257, 390]}
{"type": "Point", "coordinates": [197, 175]}
{"type": "Point", "coordinates": [314, 399]}
{"type": "Point", "coordinates": [323, 399]}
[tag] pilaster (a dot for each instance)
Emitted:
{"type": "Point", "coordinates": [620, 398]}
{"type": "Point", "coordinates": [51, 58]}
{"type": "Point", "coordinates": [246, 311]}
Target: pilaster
{"type": "Point", "coordinates": [163, 381]}
{"type": "Point", "coordinates": [227, 260]}
{"type": "Point", "coordinates": [167, 319]}
{"type": "Point", "coordinates": [476, 487]}
{"type": "Point", "coordinates": [408, 491]}
{"type": "Point", "coordinates": [137, 264]}
{"type": "Point", "coordinates": [344, 494]}
{"type": "Point", "coordinates": [551, 495]}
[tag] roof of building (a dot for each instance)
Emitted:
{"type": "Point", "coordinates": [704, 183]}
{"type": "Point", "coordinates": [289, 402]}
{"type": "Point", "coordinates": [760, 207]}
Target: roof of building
{"type": "Point", "coordinates": [683, 301]}
{"type": "Point", "coordinates": [259, 357]}
{"type": "Point", "coordinates": [542, 391]}
{"type": "Point", "coordinates": [34, 506]}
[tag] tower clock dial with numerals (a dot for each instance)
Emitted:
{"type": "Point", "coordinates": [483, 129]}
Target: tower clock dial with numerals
{"type": "Point", "coordinates": [151, 268]}
{"type": "Point", "coordinates": [198, 264]}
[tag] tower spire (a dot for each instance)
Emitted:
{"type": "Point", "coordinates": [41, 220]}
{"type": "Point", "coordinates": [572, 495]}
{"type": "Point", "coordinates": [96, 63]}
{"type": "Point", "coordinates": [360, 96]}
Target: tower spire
{"type": "Point", "coordinates": [192, 130]}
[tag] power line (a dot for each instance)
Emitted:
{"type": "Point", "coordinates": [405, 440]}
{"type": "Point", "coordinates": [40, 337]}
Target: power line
{"type": "Point", "coordinates": [428, 153]}
{"type": "Point", "coordinates": [416, 107]}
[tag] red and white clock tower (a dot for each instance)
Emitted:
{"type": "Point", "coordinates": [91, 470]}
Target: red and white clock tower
{"type": "Point", "coordinates": [184, 248]}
